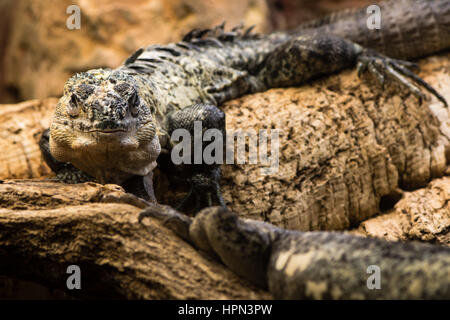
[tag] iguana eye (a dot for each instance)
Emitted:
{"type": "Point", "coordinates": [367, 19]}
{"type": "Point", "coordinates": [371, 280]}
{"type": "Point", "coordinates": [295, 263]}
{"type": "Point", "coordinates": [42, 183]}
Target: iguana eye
{"type": "Point", "coordinates": [73, 107]}
{"type": "Point", "coordinates": [133, 104]}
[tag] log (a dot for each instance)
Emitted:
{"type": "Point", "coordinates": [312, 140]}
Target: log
{"type": "Point", "coordinates": [423, 215]}
{"type": "Point", "coordinates": [21, 126]}
{"type": "Point", "coordinates": [118, 257]}
{"type": "Point", "coordinates": [346, 147]}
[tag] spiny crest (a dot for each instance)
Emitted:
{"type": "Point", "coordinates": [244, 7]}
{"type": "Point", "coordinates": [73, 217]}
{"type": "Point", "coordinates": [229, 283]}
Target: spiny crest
{"type": "Point", "coordinates": [193, 40]}
{"type": "Point", "coordinates": [218, 34]}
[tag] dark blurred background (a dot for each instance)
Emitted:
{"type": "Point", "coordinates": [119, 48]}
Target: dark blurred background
{"type": "Point", "coordinates": [38, 52]}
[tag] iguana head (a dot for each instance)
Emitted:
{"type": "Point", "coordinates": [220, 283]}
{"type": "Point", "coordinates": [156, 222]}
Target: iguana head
{"type": "Point", "coordinates": [104, 127]}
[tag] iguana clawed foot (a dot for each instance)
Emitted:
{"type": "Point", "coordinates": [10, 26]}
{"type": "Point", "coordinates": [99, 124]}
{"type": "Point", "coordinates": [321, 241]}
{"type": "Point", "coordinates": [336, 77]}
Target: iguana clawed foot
{"type": "Point", "coordinates": [204, 189]}
{"type": "Point", "coordinates": [202, 177]}
{"type": "Point", "coordinates": [381, 67]}
{"type": "Point", "coordinates": [72, 175]}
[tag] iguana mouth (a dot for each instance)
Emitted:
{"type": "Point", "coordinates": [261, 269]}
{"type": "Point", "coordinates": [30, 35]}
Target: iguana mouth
{"type": "Point", "coordinates": [108, 131]}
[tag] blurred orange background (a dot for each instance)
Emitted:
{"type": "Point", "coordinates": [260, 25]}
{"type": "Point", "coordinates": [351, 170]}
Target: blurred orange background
{"type": "Point", "coordinates": [38, 52]}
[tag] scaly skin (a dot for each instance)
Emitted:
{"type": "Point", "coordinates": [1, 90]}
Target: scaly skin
{"type": "Point", "coordinates": [409, 28]}
{"type": "Point", "coordinates": [113, 124]}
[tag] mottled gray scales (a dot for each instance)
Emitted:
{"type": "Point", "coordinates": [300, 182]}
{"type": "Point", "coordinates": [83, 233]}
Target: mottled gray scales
{"type": "Point", "coordinates": [409, 28]}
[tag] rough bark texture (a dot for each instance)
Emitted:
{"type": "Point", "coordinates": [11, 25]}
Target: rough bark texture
{"type": "Point", "coordinates": [49, 227]}
{"type": "Point", "coordinates": [345, 149]}
{"type": "Point", "coordinates": [423, 214]}
{"type": "Point", "coordinates": [21, 126]}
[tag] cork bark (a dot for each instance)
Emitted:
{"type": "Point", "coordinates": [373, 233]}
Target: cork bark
{"type": "Point", "coordinates": [423, 215]}
{"type": "Point", "coordinates": [21, 126]}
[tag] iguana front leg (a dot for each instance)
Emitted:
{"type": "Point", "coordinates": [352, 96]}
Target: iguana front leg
{"type": "Point", "coordinates": [309, 56]}
{"type": "Point", "coordinates": [202, 177]}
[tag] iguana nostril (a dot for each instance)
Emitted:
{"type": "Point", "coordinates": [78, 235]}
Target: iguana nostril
{"type": "Point", "coordinates": [120, 112]}
{"type": "Point", "coordinates": [108, 107]}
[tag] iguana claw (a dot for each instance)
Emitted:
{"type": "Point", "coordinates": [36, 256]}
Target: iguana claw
{"type": "Point", "coordinates": [204, 187]}
{"type": "Point", "coordinates": [381, 66]}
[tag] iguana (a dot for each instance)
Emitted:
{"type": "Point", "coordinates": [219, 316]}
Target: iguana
{"type": "Point", "coordinates": [115, 125]}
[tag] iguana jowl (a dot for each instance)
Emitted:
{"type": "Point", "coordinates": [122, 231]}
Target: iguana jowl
{"type": "Point", "coordinates": [114, 124]}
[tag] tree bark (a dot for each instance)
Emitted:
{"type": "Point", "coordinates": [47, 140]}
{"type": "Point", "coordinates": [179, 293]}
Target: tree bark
{"type": "Point", "coordinates": [51, 226]}
{"type": "Point", "coordinates": [347, 149]}
{"type": "Point", "coordinates": [423, 214]}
